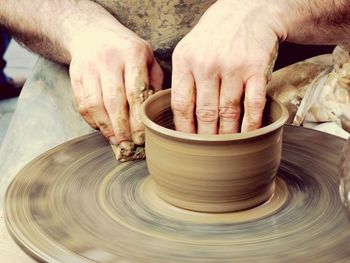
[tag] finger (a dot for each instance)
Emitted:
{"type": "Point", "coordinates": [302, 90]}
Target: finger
{"type": "Point", "coordinates": [231, 91]}
{"type": "Point", "coordinates": [94, 103]}
{"type": "Point", "coordinates": [183, 100]}
{"type": "Point", "coordinates": [156, 76]}
{"type": "Point", "coordinates": [254, 103]}
{"type": "Point", "coordinates": [78, 93]}
{"type": "Point", "coordinates": [137, 91]}
{"type": "Point", "coordinates": [207, 105]}
{"type": "Point", "coordinates": [115, 102]}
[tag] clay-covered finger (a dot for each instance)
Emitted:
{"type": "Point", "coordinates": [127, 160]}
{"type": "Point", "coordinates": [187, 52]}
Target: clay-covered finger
{"type": "Point", "coordinates": [137, 91]}
{"type": "Point", "coordinates": [183, 100]}
{"type": "Point", "coordinates": [115, 102]}
{"type": "Point", "coordinates": [231, 91]}
{"type": "Point", "coordinates": [207, 105]}
{"type": "Point", "coordinates": [93, 102]}
{"type": "Point", "coordinates": [79, 98]}
{"type": "Point", "coordinates": [254, 103]}
{"type": "Point", "coordinates": [156, 76]}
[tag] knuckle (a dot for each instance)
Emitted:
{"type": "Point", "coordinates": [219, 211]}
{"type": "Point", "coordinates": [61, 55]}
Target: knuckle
{"type": "Point", "coordinates": [106, 52]}
{"type": "Point", "coordinates": [105, 128]}
{"type": "Point", "coordinates": [110, 98]}
{"type": "Point", "coordinates": [90, 68]}
{"type": "Point", "coordinates": [254, 108]}
{"type": "Point", "coordinates": [80, 106]}
{"type": "Point", "coordinates": [110, 103]}
{"type": "Point", "coordinates": [255, 105]}
{"type": "Point", "coordinates": [122, 132]}
{"type": "Point", "coordinates": [207, 68]}
{"type": "Point", "coordinates": [76, 83]}
{"type": "Point", "coordinates": [79, 100]}
{"type": "Point", "coordinates": [109, 58]}
{"type": "Point", "coordinates": [92, 105]}
{"type": "Point", "coordinates": [231, 71]}
{"type": "Point", "coordinates": [82, 109]}
{"type": "Point", "coordinates": [181, 106]}
{"type": "Point", "coordinates": [140, 49]}
{"type": "Point", "coordinates": [207, 114]}
{"type": "Point", "coordinates": [230, 112]}
{"type": "Point", "coordinates": [254, 121]}
{"type": "Point", "coordinates": [111, 94]}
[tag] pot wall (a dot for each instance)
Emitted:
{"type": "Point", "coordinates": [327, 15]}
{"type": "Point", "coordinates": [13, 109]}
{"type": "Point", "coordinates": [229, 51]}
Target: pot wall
{"type": "Point", "coordinates": [212, 173]}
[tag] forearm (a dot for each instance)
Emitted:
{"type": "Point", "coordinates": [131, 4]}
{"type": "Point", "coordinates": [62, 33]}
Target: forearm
{"type": "Point", "coordinates": [49, 27]}
{"type": "Point", "coordinates": [316, 21]}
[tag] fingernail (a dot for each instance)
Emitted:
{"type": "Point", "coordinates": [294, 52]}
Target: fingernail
{"type": "Point", "coordinates": [113, 140]}
{"type": "Point", "coordinates": [138, 137]}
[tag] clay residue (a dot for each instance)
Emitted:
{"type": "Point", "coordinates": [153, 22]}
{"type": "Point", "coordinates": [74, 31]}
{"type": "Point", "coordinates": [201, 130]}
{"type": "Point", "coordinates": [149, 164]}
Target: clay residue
{"type": "Point", "coordinates": [128, 151]}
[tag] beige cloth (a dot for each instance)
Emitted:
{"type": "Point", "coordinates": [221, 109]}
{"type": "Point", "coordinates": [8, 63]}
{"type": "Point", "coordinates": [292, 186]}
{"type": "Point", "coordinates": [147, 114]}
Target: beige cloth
{"type": "Point", "coordinates": [317, 92]}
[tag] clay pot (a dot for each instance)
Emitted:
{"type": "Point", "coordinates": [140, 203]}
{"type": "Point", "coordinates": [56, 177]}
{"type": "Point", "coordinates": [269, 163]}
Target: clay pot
{"type": "Point", "coordinates": [212, 173]}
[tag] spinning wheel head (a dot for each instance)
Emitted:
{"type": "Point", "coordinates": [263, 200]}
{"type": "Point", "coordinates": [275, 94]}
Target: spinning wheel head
{"type": "Point", "coordinates": [76, 203]}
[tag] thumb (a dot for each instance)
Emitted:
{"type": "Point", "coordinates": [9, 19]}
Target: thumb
{"type": "Point", "coordinates": [156, 76]}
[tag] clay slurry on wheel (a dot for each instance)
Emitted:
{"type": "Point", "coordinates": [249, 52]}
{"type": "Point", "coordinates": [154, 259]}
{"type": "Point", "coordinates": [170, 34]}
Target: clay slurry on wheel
{"type": "Point", "coordinates": [75, 203]}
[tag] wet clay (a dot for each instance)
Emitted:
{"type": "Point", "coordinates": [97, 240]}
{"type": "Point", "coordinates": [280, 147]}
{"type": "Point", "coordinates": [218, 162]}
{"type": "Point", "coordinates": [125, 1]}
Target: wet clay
{"type": "Point", "coordinates": [134, 150]}
{"type": "Point", "coordinates": [76, 203]}
{"type": "Point", "coordinates": [128, 151]}
{"type": "Point", "coordinates": [212, 173]}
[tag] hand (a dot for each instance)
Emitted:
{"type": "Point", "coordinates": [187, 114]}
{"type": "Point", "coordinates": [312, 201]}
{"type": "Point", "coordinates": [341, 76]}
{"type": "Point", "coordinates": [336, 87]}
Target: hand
{"type": "Point", "coordinates": [230, 51]}
{"type": "Point", "coordinates": [111, 71]}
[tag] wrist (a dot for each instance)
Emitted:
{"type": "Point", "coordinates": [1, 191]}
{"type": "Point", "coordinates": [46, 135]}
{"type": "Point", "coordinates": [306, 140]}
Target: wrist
{"type": "Point", "coordinates": [84, 33]}
{"type": "Point", "coordinates": [80, 26]}
{"type": "Point", "coordinates": [294, 19]}
{"type": "Point", "coordinates": [274, 14]}
{"type": "Point", "coordinates": [268, 13]}
{"type": "Point", "coordinates": [327, 22]}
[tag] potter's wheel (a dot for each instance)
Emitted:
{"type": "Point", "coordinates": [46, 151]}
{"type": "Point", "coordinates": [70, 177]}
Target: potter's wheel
{"type": "Point", "coordinates": [75, 203]}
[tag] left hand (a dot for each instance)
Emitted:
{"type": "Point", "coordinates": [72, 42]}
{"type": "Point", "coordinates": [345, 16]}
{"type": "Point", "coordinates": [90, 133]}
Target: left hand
{"type": "Point", "coordinates": [229, 52]}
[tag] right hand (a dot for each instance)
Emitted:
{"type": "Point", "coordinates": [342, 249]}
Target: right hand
{"type": "Point", "coordinates": [111, 71]}
{"type": "Point", "coordinates": [228, 54]}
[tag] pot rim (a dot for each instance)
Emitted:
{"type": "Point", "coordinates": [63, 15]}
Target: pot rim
{"type": "Point", "coordinates": [209, 137]}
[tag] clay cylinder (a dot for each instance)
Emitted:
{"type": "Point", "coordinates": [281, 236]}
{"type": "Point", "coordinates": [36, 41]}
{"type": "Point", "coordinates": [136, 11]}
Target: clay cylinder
{"type": "Point", "coordinates": [212, 173]}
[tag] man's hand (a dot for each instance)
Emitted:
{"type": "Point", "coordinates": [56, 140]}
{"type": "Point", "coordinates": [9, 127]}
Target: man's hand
{"type": "Point", "coordinates": [230, 52]}
{"type": "Point", "coordinates": [111, 71]}
{"type": "Point", "coordinates": [111, 68]}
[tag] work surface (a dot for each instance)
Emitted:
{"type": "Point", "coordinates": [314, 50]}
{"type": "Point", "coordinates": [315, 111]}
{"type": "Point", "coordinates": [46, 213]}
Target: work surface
{"type": "Point", "coordinates": [52, 204]}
